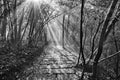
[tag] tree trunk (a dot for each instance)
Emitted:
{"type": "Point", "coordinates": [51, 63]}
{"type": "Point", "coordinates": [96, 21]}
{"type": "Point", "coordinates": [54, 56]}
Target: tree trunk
{"type": "Point", "coordinates": [63, 33]}
{"type": "Point", "coordinates": [102, 37]}
{"type": "Point", "coordinates": [81, 39]}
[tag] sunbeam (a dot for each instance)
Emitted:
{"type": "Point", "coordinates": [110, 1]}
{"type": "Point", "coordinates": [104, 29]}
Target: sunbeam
{"type": "Point", "coordinates": [53, 30]}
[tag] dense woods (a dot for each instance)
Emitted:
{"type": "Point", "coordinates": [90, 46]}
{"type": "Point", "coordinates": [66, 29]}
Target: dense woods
{"type": "Point", "coordinates": [59, 39]}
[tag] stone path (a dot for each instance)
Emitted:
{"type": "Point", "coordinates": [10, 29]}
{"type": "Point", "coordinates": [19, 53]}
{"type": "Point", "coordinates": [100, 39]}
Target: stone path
{"type": "Point", "coordinates": [58, 60]}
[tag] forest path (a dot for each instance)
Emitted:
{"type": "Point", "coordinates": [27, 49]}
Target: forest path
{"type": "Point", "coordinates": [58, 60]}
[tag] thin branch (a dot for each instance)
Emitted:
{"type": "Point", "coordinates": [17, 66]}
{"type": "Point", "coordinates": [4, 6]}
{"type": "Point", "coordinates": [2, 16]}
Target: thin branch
{"type": "Point", "coordinates": [109, 57]}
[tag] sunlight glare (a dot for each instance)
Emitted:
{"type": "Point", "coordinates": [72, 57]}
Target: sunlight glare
{"type": "Point", "coordinates": [35, 0]}
{"type": "Point", "coordinates": [37, 3]}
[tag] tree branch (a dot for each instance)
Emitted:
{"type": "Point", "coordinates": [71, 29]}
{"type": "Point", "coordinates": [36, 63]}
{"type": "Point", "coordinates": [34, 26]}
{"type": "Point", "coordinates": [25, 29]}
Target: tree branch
{"type": "Point", "coordinates": [109, 57]}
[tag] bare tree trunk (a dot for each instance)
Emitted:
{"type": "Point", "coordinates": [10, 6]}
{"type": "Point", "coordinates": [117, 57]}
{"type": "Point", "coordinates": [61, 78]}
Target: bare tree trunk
{"type": "Point", "coordinates": [81, 39]}
{"type": "Point", "coordinates": [81, 34]}
{"type": "Point", "coordinates": [102, 37]}
{"type": "Point", "coordinates": [63, 29]}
